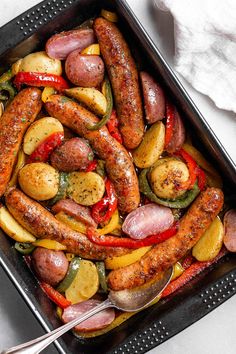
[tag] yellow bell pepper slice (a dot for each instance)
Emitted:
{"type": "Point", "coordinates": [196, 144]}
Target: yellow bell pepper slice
{"type": "Point", "coordinates": [213, 177]}
{"type": "Point", "coordinates": [109, 15]}
{"type": "Point", "coordinates": [177, 271]}
{"type": "Point", "coordinates": [12, 228]}
{"type": "Point", "coordinates": [50, 244]}
{"type": "Point", "coordinates": [71, 222]}
{"type": "Point", "coordinates": [113, 224]}
{"type": "Point", "coordinates": [20, 163]}
{"type": "Point", "coordinates": [70, 256]}
{"type": "Point", "coordinates": [93, 49]}
{"type": "Point", "coordinates": [47, 92]}
{"type": "Point", "coordinates": [127, 259]}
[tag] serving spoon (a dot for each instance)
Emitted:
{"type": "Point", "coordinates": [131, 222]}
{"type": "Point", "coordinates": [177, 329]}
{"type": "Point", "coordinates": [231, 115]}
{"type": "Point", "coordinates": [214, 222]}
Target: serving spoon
{"type": "Point", "coordinates": [126, 300]}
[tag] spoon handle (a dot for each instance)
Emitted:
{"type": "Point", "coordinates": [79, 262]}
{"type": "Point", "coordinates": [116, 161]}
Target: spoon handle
{"type": "Point", "coordinates": [35, 346]}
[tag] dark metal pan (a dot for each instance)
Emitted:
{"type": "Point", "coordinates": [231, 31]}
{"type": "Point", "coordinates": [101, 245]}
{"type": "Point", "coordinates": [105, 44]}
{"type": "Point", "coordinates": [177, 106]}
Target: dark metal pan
{"type": "Point", "coordinates": [153, 326]}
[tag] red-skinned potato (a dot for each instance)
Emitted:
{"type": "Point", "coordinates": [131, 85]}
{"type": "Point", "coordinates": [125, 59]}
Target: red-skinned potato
{"type": "Point", "coordinates": [84, 70]}
{"type": "Point", "coordinates": [75, 154]}
{"type": "Point", "coordinates": [230, 230]}
{"type": "Point", "coordinates": [50, 266]}
{"type": "Point", "coordinates": [62, 44]}
{"type": "Point", "coordinates": [154, 98]}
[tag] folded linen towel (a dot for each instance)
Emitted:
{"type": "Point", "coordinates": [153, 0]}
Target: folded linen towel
{"type": "Point", "coordinates": [205, 46]}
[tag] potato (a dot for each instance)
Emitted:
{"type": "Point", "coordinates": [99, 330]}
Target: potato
{"type": "Point", "coordinates": [85, 283]}
{"type": "Point", "coordinates": [166, 175]}
{"type": "Point", "coordinates": [41, 63]}
{"type": "Point", "coordinates": [86, 188]}
{"type": "Point", "coordinates": [127, 259]}
{"type": "Point", "coordinates": [92, 98]}
{"type": "Point", "coordinates": [39, 180]}
{"type": "Point", "coordinates": [39, 131]}
{"type": "Point", "coordinates": [11, 227]}
{"type": "Point", "coordinates": [210, 243]}
{"type": "Point", "coordinates": [152, 146]}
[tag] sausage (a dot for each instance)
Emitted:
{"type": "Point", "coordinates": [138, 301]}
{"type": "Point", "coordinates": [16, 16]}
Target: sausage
{"type": "Point", "coordinates": [77, 211]}
{"type": "Point", "coordinates": [230, 230]}
{"type": "Point", "coordinates": [118, 163]}
{"type": "Point", "coordinates": [84, 70]}
{"type": "Point", "coordinates": [123, 75]}
{"type": "Point", "coordinates": [74, 154]}
{"type": "Point", "coordinates": [50, 266]}
{"type": "Point", "coordinates": [62, 44]}
{"type": "Point", "coordinates": [13, 124]}
{"type": "Point", "coordinates": [178, 136]}
{"type": "Point", "coordinates": [154, 98]}
{"type": "Point", "coordinates": [98, 321]}
{"type": "Point", "coordinates": [41, 223]}
{"type": "Point", "coordinates": [164, 255]}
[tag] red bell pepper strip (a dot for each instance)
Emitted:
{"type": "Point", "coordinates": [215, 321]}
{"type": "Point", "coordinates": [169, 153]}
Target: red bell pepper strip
{"type": "Point", "coordinates": [112, 126]}
{"type": "Point", "coordinates": [186, 263]}
{"type": "Point", "coordinates": [55, 296]}
{"type": "Point", "coordinates": [127, 242]}
{"type": "Point", "coordinates": [92, 166]}
{"type": "Point", "coordinates": [170, 122]}
{"type": "Point", "coordinates": [103, 210]}
{"type": "Point", "coordinates": [190, 273]}
{"type": "Point", "coordinates": [201, 176]}
{"type": "Point", "coordinates": [43, 151]}
{"type": "Point", "coordinates": [40, 79]}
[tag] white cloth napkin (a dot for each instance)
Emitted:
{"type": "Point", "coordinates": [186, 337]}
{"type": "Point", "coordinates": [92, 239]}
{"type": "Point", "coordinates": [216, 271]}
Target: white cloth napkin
{"type": "Point", "coordinates": [205, 46]}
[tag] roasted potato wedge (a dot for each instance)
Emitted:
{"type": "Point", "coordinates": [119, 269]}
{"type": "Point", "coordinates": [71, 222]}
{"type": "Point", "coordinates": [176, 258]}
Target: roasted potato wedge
{"type": "Point", "coordinates": [11, 227]}
{"type": "Point", "coordinates": [85, 283]}
{"type": "Point", "coordinates": [152, 146]}
{"type": "Point", "coordinates": [39, 131]}
{"type": "Point", "coordinates": [86, 188]}
{"type": "Point", "coordinates": [210, 243]}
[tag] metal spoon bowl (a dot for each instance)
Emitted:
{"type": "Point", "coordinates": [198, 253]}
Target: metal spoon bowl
{"type": "Point", "coordinates": [126, 300]}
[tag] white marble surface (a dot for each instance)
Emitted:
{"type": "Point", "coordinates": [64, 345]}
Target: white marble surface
{"type": "Point", "coordinates": [215, 333]}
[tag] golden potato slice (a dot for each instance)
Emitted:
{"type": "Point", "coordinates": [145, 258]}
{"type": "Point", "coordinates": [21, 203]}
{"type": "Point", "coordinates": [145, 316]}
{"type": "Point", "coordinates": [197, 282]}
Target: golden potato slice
{"type": "Point", "coordinates": [127, 259]}
{"type": "Point", "coordinates": [91, 97]}
{"type": "Point", "coordinates": [85, 283]}
{"type": "Point", "coordinates": [152, 146]}
{"type": "Point", "coordinates": [86, 188]}
{"type": "Point", "coordinates": [39, 131]}
{"type": "Point", "coordinates": [11, 227]}
{"type": "Point", "coordinates": [93, 49]}
{"type": "Point", "coordinates": [210, 243]}
{"type": "Point", "coordinates": [40, 62]}
{"type": "Point", "coordinates": [39, 180]}
{"type": "Point", "coordinates": [166, 175]}
{"type": "Point", "coordinates": [109, 15]}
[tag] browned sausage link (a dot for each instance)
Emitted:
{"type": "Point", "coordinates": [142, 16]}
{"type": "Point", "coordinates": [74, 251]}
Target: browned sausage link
{"type": "Point", "coordinates": [192, 226]}
{"type": "Point", "coordinates": [124, 79]}
{"type": "Point", "coordinates": [41, 223]}
{"type": "Point", "coordinates": [15, 120]}
{"type": "Point", "coordinates": [119, 165]}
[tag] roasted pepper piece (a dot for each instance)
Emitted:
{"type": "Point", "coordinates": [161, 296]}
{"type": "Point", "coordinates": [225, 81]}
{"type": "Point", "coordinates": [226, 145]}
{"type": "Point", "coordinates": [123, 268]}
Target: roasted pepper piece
{"type": "Point", "coordinates": [112, 225]}
{"type": "Point", "coordinates": [49, 244]}
{"type": "Point", "coordinates": [63, 184]}
{"type": "Point", "coordinates": [55, 296]}
{"type": "Point", "coordinates": [70, 276]}
{"type": "Point", "coordinates": [6, 87]}
{"type": "Point", "coordinates": [102, 275]}
{"type": "Point", "coordinates": [20, 163]}
{"type": "Point", "coordinates": [40, 79]}
{"type": "Point", "coordinates": [112, 126]}
{"type": "Point", "coordinates": [24, 247]}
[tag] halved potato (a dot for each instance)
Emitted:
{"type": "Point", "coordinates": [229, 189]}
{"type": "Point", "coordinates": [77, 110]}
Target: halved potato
{"type": "Point", "coordinates": [127, 259]}
{"type": "Point", "coordinates": [210, 243]}
{"type": "Point", "coordinates": [39, 180]}
{"type": "Point", "coordinates": [12, 228]}
{"type": "Point", "coordinates": [93, 49]}
{"type": "Point", "coordinates": [85, 188]}
{"type": "Point", "coordinates": [91, 97]}
{"type": "Point", "coordinates": [39, 131]}
{"type": "Point", "coordinates": [85, 283]}
{"type": "Point", "coordinates": [152, 146]}
{"type": "Point", "coordinates": [40, 62]}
